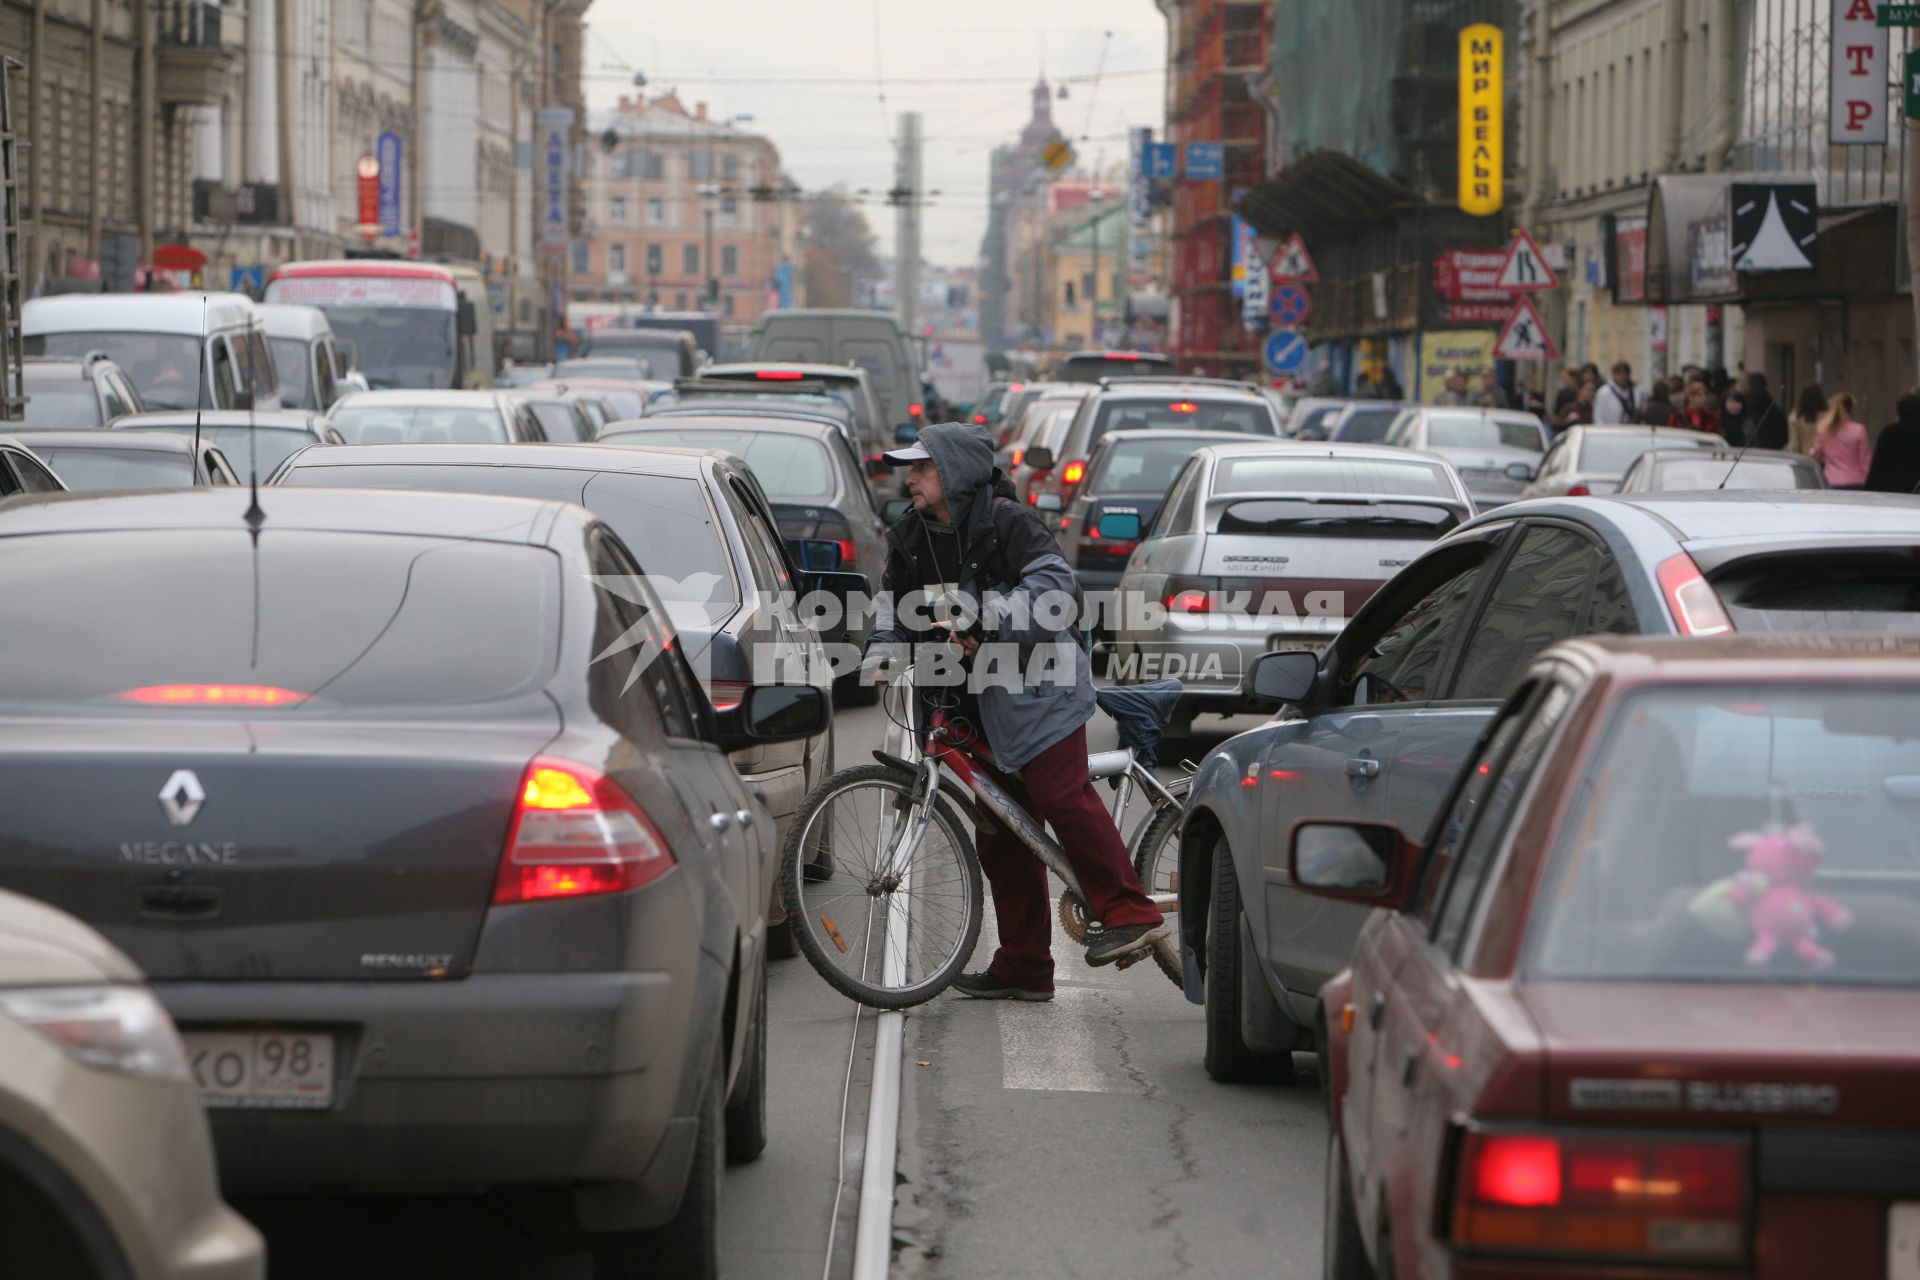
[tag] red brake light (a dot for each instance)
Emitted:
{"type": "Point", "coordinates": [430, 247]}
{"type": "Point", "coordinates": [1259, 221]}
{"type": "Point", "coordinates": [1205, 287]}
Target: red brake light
{"type": "Point", "coordinates": [1189, 602]}
{"type": "Point", "coordinates": [576, 833]}
{"type": "Point", "coordinates": [980, 419]}
{"type": "Point", "coordinates": [1074, 472]}
{"type": "Point", "coordinates": [212, 695]}
{"type": "Point", "coordinates": [1579, 491]}
{"type": "Point", "coordinates": [1517, 1170]}
{"type": "Point", "coordinates": [1690, 598]}
{"type": "Point", "coordinates": [778, 375]}
{"type": "Point", "coordinates": [849, 551]}
{"type": "Point", "coordinates": [725, 695]}
{"type": "Point", "coordinates": [1183, 406]}
{"type": "Point", "coordinates": [914, 410]}
{"type": "Point", "coordinates": [1018, 387]}
{"type": "Point", "coordinates": [1122, 355]}
{"type": "Point", "coordinates": [1017, 455]}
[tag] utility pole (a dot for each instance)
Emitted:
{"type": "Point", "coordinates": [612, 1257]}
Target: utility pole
{"type": "Point", "coordinates": [1095, 335]}
{"type": "Point", "coordinates": [906, 235]}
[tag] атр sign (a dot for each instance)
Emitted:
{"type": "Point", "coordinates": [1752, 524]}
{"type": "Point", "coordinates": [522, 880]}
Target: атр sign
{"type": "Point", "coordinates": [1858, 105]}
{"type": "Point", "coordinates": [1482, 119]}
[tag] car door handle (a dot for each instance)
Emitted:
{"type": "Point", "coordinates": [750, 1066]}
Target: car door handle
{"type": "Point", "coordinates": [1376, 1011]}
{"type": "Point", "coordinates": [1363, 767]}
{"type": "Point", "coordinates": [718, 821]}
{"type": "Point", "coordinates": [1409, 1063]}
{"type": "Point", "coordinates": [743, 816]}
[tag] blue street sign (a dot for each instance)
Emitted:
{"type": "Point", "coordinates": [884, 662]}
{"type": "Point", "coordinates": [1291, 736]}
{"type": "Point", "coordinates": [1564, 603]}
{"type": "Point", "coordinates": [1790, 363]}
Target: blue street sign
{"type": "Point", "coordinates": [387, 151]}
{"type": "Point", "coordinates": [1290, 305]}
{"type": "Point", "coordinates": [248, 280]}
{"type": "Point", "coordinates": [1285, 352]}
{"type": "Point", "coordinates": [1160, 160]}
{"type": "Point", "coordinates": [1206, 161]}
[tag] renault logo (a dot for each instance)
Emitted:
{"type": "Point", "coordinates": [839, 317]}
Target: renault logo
{"type": "Point", "coordinates": [182, 797]}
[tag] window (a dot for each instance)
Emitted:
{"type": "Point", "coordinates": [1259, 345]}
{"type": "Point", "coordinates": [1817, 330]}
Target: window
{"type": "Point", "coordinates": [1070, 301]}
{"type": "Point", "coordinates": [116, 404]}
{"type": "Point", "coordinates": [223, 382]}
{"type": "Point", "coordinates": [690, 259]}
{"type": "Point", "coordinates": [679, 302]}
{"type": "Point", "coordinates": [700, 165]}
{"type": "Point", "coordinates": [34, 478]}
{"type": "Point", "coordinates": [324, 385]}
{"type": "Point", "coordinates": [1180, 503]}
{"type": "Point", "coordinates": [1540, 598]}
{"type": "Point", "coordinates": [729, 260]}
{"type": "Point", "coordinates": [617, 259]}
{"type": "Point", "coordinates": [581, 263]}
{"type": "Point", "coordinates": [1404, 665]}
{"type": "Point", "coordinates": [656, 211]}
{"type": "Point", "coordinates": [264, 381]}
{"type": "Point", "coordinates": [617, 211]}
{"type": "Point", "coordinates": [729, 211]}
{"type": "Point", "coordinates": [726, 305]}
{"type": "Point", "coordinates": [632, 621]}
{"type": "Point", "coordinates": [730, 168]}
{"type": "Point", "coordinates": [656, 259]}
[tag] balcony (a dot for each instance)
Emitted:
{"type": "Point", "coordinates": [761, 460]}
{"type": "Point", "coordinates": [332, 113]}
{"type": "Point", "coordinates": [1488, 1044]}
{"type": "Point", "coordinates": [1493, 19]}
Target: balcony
{"type": "Point", "coordinates": [195, 68]}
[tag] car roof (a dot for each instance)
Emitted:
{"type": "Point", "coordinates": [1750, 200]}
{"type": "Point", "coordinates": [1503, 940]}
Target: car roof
{"type": "Point", "coordinates": [413, 397]}
{"type": "Point", "coordinates": [267, 419]}
{"type": "Point", "coordinates": [810, 427]}
{"type": "Point", "coordinates": [1747, 658]}
{"type": "Point", "coordinates": [1147, 434]}
{"type": "Point", "coordinates": [293, 320]}
{"type": "Point", "coordinates": [739, 371]}
{"type": "Point", "coordinates": [200, 313]}
{"type": "Point", "coordinates": [363, 267]}
{"type": "Point", "coordinates": [793, 407]}
{"type": "Point", "coordinates": [663, 460]}
{"type": "Point", "coordinates": [1519, 417]}
{"type": "Point", "coordinates": [1775, 514]}
{"type": "Point", "coordinates": [1165, 388]}
{"type": "Point", "coordinates": [110, 438]}
{"type": "Point", "coordinates": [1723, 452]}
{"type": "Point", "coordinates": [1281, 447]}
{"type": "Point", "coordinates": [472, 517]}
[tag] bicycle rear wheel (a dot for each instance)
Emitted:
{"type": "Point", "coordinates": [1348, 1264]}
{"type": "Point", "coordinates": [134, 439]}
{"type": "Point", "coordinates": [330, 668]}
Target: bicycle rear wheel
{"type": "Point", "coordinates": [1156, 857]}
{"type": "Point", "coordinates": [885, 932]}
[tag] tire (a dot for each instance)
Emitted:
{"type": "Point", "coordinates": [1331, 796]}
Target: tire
{"type": "Point", "coordinates": [1156, 841]}
{"type": "Point", "coordinates": [1229, 1060]}
{"type": "Point", "coordinates": [794, 886]}
{"type": "Point", "coordinates": [780, 943]}
{"type": "Point", "coordinates": [1342, 1253]}
{"type": "Point", "coordinates": [747, 1109]}
{"type": "Point", "coordinates": [689, 1245]}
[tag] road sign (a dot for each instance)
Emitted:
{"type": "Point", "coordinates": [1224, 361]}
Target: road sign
{"type": "Point", "coordinates": [1253, 302]}
{"type": "Point", "coordinates": [387, 150]}
{"type": "Point", "coordinates": [1911, 79]}
{"type": "Point", "coordinates": [1285, 352]}
{"type": "Point", "coordinates": [1161, 160]}
{"type": "Point", "coordinates": [1525, 337]}
{"type": "Point", "coordinates": [1294, 263]}
{"type": "Point", "coordinates": [1058, 153]}
{"type": "Point", "coordinates": [248, 280]}
{"type": "Point", "coordinates": [1206, 161]}
{"type": "Point", "coordinates": [1526, 269]}
{"type": "Point", "coordinates": [1898, 15]}
{"type": "Point", "coordinates": [1291, 304]}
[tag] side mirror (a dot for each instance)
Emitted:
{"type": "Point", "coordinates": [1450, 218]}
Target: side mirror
{"type": "Point", "coordinates": [348, 352]}
{"type": "Point", "coordinates": [1040, 458]}
{"type": "Point", "coordinates": [466, 321]}
{"type": "Point", "coordinates": [1120, 527]}
{"type": "Point", "coordinates": [905, 433]}
{"type": "Point", "coordinates": [1520, 471]}
{"type": "Point", "coordinates": [773, 713]}
{"type": "Point", "coordinates": [1285, 677]}
{"type": "Point", "coordinates": [1049, 502]}
{"type": "Point", "coordinates": [1363, 862]}
{"type": "Point", "coordinates": [894, 508]}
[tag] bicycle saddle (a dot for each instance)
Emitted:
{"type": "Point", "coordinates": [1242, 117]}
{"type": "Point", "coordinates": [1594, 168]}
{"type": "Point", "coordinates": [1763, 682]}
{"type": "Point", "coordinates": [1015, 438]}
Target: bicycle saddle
{"type": "Point", "coordinates": [1140, 711]}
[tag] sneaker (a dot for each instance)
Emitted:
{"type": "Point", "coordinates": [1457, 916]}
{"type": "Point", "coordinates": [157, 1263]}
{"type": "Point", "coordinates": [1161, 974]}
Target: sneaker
{"type": "Point", "coordinates": [1118, 943]}
{"type": "Point", "coordinates": [984, 986]}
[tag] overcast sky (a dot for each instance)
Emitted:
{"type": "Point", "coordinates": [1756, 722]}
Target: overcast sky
{"type": "Point", "coordinates": [813, 85]}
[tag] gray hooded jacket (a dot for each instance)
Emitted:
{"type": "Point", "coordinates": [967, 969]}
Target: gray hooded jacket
{"type": "Point", "coordinates": [1034, 680]}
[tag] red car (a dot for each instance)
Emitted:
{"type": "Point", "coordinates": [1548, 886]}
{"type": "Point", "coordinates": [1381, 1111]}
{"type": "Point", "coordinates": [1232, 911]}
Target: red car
{"type": "Point", "coordinates": [1648, 1002]}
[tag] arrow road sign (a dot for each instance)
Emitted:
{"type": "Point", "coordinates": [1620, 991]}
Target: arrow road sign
{"type": "Point", "coordinates": [1293, 262]}
{"type": "Point", "coordinates": [1526, 269]}
{"type": "Point", "coordinates": [1525, 337]}
{"type": "Point", "coordinates": [1285, 352]}
{"type": "Point", "coordinates": [1291, 305]}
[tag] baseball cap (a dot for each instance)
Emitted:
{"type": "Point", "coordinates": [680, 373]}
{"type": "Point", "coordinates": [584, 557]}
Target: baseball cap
{"type": "Point", "coordinates": [912, 453]}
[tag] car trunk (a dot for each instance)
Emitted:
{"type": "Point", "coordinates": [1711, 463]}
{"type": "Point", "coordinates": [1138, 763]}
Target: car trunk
{"type": "Point", "coordinates": [1484, 470]}
{"type": "Point", "coordinates": [1316, 557]}
{"type": "Point", "coordinates": [322, 849]}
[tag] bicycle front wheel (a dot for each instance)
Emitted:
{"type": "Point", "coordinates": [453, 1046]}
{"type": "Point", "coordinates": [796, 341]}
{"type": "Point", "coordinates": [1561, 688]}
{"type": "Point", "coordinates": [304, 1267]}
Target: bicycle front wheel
{"type": "Point", "coordinates": [883, 929]}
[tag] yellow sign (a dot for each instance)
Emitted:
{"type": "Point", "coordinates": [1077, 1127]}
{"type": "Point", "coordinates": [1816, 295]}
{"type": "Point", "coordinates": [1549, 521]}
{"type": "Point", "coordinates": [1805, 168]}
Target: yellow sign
{"type": "Point", "coordinates": [1442, 353]}
{"type": "Point", "coordinates": [1058, 153]}
{"type": "Point", "coordinates": [1483, 140]}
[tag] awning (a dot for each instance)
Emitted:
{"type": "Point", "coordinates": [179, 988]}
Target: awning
{"type": "Point", "coordinates": [1689, 239]}
{"type": "Point", "coordinates": [1323, 193]}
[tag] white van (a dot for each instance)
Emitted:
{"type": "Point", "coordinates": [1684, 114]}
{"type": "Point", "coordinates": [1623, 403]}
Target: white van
{"type": "Point", "coordinates": [180, 349]}
{"type": "Point", "coordinates": [479, 344]}
{"type": "Point", "coordinates": [312, 371]}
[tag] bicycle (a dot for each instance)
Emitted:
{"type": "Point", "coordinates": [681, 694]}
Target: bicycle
{"type": "Point", "coordinates": [879, 852]}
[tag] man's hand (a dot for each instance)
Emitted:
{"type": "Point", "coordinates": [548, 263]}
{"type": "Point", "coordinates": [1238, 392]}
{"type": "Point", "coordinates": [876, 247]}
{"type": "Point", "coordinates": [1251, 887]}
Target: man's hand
{"type": "Point", "coordinates": [969, 644]}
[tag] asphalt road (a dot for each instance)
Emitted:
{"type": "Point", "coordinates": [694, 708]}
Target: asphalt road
{"type": "Point", "coordinates": [1077, 1138]}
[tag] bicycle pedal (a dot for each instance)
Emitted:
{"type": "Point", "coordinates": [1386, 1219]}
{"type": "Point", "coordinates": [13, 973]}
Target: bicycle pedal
{"type": "Point", "coordinates": [1131, 958]}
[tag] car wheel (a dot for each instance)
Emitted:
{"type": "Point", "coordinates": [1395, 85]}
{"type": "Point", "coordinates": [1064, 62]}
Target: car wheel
{"type": "Point", "coordinates": [1229, 1059]}
{"type": "Point", "coordinates": [689, 1245]}
{"type": "Point", "coordinates": [747, 1110]}
{"type": "Point", "coordinates": [780, 943]}
{"type": "Point", "coordinates": [1343, 1255]}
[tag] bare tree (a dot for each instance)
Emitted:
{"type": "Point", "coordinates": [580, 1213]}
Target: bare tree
{"type": "Point", "coordinates": [839, 250]}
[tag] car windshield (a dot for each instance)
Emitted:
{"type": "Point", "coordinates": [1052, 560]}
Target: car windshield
{"type": "Point", "coordinates": [1094, 368]}
{"type": "Point", "coordinates": [1742, 834]}
{"type": "Point", "coordinates": [790, 468]}
{"type": "Point", "coordinates": [98, 470]}
{"type": "Point", "coordinates": [1367, 426]}
{"type": "Point", "coordinates": [1283, 517]}
{"type": "Point", "coordinates": [419, 424]}
{"type": "Point", "coordinates": [165, 367]}
{"type": "Point", "coordinates": [291, 361]}
{"type": "Point", "coordinates": [1308, 474]}
{"type": "Point", "coordinates": [1484, 433]}
{"type": "Point", "coordinates": [1141, 466]}
{"type": "Point", "coordinates": [1246, 416]}
{"type": "Point", "coordinates": [1833, 589]}
{"type": "Point", "coordinates": [1612, 455]}
{"type": "Point", "coordinates": [272, 445]}
{"type": "Point", "coordinates": [1722, 473]}
{"type": "Point", "coordinates": [342, 619]}
{"type": "Point", "coordinates": [70, 404]}
{"type": "Point", "coordinates": [398, 346]}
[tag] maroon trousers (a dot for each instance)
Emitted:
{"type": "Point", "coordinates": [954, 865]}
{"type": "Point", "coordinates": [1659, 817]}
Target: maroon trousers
{"type": "Point", "coordinates": [1054, 788]}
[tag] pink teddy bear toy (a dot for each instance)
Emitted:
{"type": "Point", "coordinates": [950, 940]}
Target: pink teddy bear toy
{"type": "Point", "coordinates": [1776, 891]}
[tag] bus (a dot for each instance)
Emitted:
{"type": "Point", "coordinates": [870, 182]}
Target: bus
{"type": "Point", "coordinates": [403, 324]}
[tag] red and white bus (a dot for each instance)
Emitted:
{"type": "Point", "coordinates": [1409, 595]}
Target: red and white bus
{"type": "Point", "coordinates": [405, 322]}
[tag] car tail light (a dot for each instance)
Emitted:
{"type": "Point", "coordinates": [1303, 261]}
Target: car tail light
{"type": "Point", "coordinates": [1017, 388]}
{"type": "Point", "coordinates": [1690, 598]}
{"type": "Point", "coordinates": [1183, 406]}
{"type": "Point", "coordinates": [1189, 600]}
{"type": "Point", "coordinates": [778, 375]}
{"type": "Point", "coordinates": [725, 695]}
{"type": "Point", "coordinates": [1640, 1197]}
{"type": "Point", "coordinates": [1579, 491]}
{"type": "Point", "coordinates": [1121, 355]}
{"type": "Point", "coordinates": [1074, 472]}
{"type": "Point", "coordinates": [979, 419]}
{"type": "Point", "coordinates": [212, 695]}
{"type": "Point", "coordinates": [1017, 455]}
{"type": "Point", "coordinates": [575, 833]}
{"type": "Point", "coordinates": [849, 551]}
{"type": "Point", "coordinates": [915, 410]}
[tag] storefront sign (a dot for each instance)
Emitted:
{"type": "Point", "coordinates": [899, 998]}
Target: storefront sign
{"type": "Point", "coordinates": [1858, 102]}
{"type": "Point", "coordinates": [1774, 227]}
{"type": "Point", "coordinates": [1483, 119]}
{"type": "Point", "coordinates": [1628, 268]}
{"type": "Point", "coordinates": [555, 125]}
{"type": "Point", "coordinates": [1472, 275]}
{"type": "Point", "coordinates": [1710, 256]}
{"type": "Point", "coordinates": [387, 151]}
{"type": "Point", "coordinates": [1441, 353]}
{"type": "Point", "coordinates": [1139, 203]}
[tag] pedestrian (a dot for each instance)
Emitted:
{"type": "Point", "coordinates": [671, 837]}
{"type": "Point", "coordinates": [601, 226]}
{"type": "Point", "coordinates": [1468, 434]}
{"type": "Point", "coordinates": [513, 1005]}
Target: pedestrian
{"type": "Point", "coordinates": [1390, 388]}
{"type": "Point", "coordinates": [1896, 454]}
{"type": "Point", "coordinates": [968, 533]}
{"type": "Point", "coordinates": [1590, 372]}
{"type": "Point", "coordinates": [1492, 394]}
{"type": "Point", "coordinates": [1659, 407]}
{"type": "Point", "coordinates": [1698, 413]}
{"type": "Point", "coordinates": [1580, 412]}
{"type": "Point", "coordinates": [1765, 422]}
{"type": "Point", "coordinates": [1363, 386]}
{"type": "Point", "coordinates": [1841, 447]}
{"type": "Point", "coordinates": [1803, 425]}
{"type": "Point", "coordinates": [1619, 401]}
{"type": "Point", "coordinates": [1455, 396]}
{"type": "Point", "coordinates": [1325, 385]}
{"type": "Point", "coordinates": [1568, 391]}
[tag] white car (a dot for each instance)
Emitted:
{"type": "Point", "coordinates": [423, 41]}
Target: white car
{"type": "Point", "coordinates": [1585, 461]}
{"type": "Point", "coordinates": [1497, 451]}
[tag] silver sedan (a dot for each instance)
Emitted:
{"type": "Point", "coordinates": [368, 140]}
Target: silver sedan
{"type": "Point", "coordinates": [1586, 461]}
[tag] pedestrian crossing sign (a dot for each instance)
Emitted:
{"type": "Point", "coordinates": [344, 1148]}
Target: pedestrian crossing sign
{"type": "Point", "coordinates": [1525, 337]}
{"type": "Point", "coordinates": [1293, 262]}
{"type": "Point", "coordinates": [1526, 269]}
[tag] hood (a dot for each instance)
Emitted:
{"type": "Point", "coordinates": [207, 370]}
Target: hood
{"type": "Point", "coordinates": [963, 455]}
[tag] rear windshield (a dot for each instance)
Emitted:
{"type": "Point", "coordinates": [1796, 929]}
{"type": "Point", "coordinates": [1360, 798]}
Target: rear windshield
{"type": "Point", "coordinates": [1332, 475]}
{"type": "Point", "coordinates": [664, 520]}
{"type": "Point", "coordinates": [165, 367]}
{"type": "Point", "coordinates": [1718, 473]}
{"type": "Point", "coordinates": [1842, 589]}
{"type": "Point", "coordinates": [1143, 466]}
{"type": "Point", "coordinates": [1484, 433]}
{"type": "Point", "coordinates": [623, 369]}
{"type": "Point", "coordinates": [100, 469]}
{"type": "Point", "coordinates": [1247, 417]}
{"type": "Point", "coordinates": [789, 468]}
{"type": "Point", "coordinates": [1288, 517]}
{"type": "Point", "coordinates": [73, 405]}
{"type": "Point", "coordinates": [411, 424]}
{"type": "Point", "coordinates": [273, 446]}
{"type": "Point", "coordinates": [1704, 806]}
{"type": "Point", "coordinates": [1367, 426]}
{"type": "Point", "coordinates": [836, 394]}
{"type": "Point", "coordinates": [343, 619]}
{"type": "Point", "coordinates": [1312, 421]}
{"type": "Point", "coordinates": [1612, 455]}
{"type": "Point", "coordinates": [1094, 368]}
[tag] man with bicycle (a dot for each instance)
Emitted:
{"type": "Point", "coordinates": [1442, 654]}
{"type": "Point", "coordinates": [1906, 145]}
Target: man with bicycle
{"type": "Point", "coordinates": [1028, 690]}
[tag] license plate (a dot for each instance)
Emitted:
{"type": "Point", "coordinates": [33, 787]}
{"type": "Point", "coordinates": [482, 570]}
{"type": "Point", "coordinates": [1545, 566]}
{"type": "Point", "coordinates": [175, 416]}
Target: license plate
{"type": "Point", "coordinates": [1903, 1240]}
{"type": "Point", "coordinates": [271, 1070]}
{"type": "Point", "coordinates": [1296, 644]}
